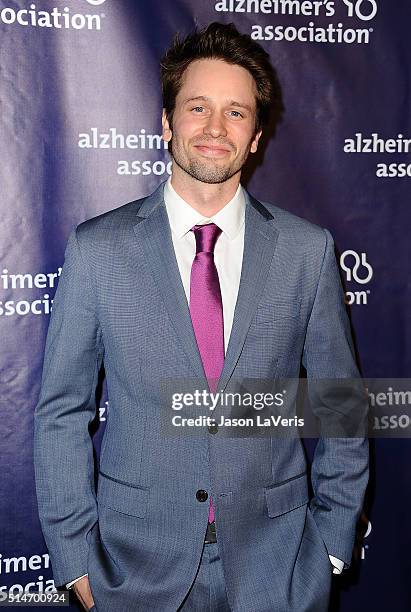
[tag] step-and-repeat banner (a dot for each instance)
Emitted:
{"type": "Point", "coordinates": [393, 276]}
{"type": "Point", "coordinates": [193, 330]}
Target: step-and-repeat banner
{"type": "Point", "coordinates": [80, 112]}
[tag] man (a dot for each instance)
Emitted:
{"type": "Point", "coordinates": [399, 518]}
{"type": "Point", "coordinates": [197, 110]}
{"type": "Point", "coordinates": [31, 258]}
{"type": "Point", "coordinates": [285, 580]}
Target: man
{"type": "Point", "coordinates": [201, 281]}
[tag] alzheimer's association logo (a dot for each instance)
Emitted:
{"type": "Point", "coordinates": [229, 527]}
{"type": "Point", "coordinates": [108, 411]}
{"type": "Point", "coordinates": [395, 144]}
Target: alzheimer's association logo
{"type": "Point", "coordinates": [357, 270]}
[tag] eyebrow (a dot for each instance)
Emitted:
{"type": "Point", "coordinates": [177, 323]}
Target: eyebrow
{"type": "Point", "coordinates": [207, 99]}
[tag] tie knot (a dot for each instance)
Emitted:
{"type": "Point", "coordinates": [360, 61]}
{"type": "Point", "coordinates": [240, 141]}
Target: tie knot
{"type": "Point", "coordinates": [206, 237]}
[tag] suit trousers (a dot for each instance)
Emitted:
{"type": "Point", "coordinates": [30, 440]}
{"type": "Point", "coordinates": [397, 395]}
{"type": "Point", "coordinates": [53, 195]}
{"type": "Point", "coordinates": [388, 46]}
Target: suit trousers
{"type": "Point", "coordinates": [208, 591]}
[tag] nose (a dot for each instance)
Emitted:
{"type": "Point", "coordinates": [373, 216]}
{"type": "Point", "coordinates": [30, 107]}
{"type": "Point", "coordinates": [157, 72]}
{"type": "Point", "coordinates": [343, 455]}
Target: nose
{"type": "Point", "coordinates": [215, 125]}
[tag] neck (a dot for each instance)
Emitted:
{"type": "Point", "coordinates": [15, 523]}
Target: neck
{"type": "Point", "coordinates": [206, 198]}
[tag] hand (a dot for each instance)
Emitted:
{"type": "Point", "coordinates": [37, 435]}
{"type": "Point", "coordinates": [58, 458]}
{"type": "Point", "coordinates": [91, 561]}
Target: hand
{"type": "Point", "coordinates": [83, 592]}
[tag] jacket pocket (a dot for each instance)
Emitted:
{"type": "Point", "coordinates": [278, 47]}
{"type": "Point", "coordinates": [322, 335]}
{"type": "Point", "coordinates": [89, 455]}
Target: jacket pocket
{"type": "Point", "coordinates": [121, 496]}
{"type": "Point", "coordinates": [287, 496]}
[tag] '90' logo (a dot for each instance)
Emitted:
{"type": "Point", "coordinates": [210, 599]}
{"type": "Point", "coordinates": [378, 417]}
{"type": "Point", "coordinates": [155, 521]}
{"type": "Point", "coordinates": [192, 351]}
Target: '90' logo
{"type": "Point", "coordinates": [363, 9]}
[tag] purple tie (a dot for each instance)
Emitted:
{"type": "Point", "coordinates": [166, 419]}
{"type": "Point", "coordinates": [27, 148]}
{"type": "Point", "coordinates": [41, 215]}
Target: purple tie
{"type": "Point", "coordinates": [206, 308]}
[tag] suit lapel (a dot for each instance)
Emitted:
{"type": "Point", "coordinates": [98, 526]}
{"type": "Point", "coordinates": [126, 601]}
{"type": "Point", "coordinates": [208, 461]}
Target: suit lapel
{"type": "Point", "coordinates": [154, 234]}
{"type": "Point", "coordinates": [260, 241]}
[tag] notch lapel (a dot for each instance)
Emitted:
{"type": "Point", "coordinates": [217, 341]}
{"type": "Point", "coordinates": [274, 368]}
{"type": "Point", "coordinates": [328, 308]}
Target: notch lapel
{"type": "Point", "coordinates": [154, 234]}
{"type": "Point", "coordinates": [260, 241]}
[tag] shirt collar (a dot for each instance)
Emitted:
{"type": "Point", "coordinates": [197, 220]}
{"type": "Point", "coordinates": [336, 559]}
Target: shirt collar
{"type": "Point", "coordinates": [183, 217]}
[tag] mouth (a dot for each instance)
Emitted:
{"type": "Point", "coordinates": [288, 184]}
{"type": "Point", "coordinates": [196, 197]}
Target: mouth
{"type": "Point", "coordinates": [212, 150]}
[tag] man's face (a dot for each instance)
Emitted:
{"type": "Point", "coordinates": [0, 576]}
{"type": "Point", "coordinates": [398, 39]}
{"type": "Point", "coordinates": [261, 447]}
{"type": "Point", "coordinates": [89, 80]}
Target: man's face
{"type": "Point", "coordinates": [213, 125]}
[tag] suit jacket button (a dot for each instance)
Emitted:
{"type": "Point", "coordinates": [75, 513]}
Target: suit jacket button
{"type": "Point", "coordinates": [213, 428]}
{"type": "Point", "coordinates": [201, 495]}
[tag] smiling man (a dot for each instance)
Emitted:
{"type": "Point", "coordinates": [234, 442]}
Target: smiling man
{"type": "Point", "coordinates": [212, 135]}
{"type": "Point", "coordinates": [198, 280]}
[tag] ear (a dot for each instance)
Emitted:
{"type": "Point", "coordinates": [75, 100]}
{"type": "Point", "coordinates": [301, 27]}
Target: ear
{"type": "Point", "coordinates": [166, 127]}
{"type": "Point", "coordinates": [254, 142]}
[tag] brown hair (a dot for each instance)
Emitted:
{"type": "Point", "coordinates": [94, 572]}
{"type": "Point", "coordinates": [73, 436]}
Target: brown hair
{"type": "Point", "coordinates": [220, 41]}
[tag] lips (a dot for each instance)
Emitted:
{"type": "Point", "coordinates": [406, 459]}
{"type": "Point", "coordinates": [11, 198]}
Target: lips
{"type": "Point", "coordinates": [212, 150]}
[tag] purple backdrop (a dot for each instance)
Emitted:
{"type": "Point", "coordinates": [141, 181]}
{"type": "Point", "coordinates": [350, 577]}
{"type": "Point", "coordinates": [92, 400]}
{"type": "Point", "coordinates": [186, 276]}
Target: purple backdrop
{"type": "Point", "coordinates": [80, 118]}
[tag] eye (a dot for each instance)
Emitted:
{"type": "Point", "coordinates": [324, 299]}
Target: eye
{"type": "Point", "coordinates": [236, 114]}
{"type": "Point", "coordinates": [198, 109]}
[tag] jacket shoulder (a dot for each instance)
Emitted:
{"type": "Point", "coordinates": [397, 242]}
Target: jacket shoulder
{"type": "Point", "coordinates": [287, 221]}
{"type": "Point", "coordinates": [297, 230]}
{"type": "Point", "coordinates": [110, 223]}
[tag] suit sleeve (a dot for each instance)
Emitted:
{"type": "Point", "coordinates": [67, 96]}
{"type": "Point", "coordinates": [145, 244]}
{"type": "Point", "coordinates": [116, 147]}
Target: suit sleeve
{"type": "Point", "coordinates": [63, 450]}
{"type": "Point", "coordinates": [340, 465]}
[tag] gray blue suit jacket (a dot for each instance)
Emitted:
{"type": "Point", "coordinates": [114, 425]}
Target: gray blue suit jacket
{"type": "Point", "coordinates": [139, 536]}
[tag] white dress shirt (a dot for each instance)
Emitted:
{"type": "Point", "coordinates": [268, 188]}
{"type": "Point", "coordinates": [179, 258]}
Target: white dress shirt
{"type": "Point", "coordinates": [228, 251]}
{"type": "Point", "coordinates": [228, 258]}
